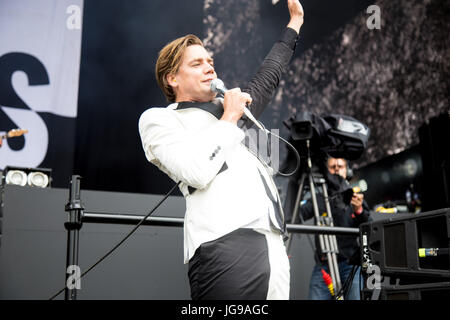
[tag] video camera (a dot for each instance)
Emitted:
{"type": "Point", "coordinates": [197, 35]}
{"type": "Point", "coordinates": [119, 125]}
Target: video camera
{"type": "Point", "coordinates": [335, 135]}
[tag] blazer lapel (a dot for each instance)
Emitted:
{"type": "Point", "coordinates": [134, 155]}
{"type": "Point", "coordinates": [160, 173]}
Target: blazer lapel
{"type": "Point", "coordinates": [214, 107]}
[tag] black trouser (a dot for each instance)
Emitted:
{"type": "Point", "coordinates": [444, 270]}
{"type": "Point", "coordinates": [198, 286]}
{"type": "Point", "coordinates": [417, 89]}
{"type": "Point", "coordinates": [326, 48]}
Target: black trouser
{"type": "Point", "coordinates": [233, 267]}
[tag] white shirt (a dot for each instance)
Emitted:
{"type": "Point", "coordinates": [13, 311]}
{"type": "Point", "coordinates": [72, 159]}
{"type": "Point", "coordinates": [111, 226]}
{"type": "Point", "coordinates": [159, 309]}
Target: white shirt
{"type": "Point", "coordinates": [193, 146]}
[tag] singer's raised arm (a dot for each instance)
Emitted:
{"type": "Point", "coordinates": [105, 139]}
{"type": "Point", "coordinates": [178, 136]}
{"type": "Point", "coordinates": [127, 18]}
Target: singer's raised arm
{"type": "Point", "coordinates": [263, 85]}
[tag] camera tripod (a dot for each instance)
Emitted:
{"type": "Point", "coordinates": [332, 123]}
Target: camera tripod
{"type": "Point", "coordinates": [328, 243]}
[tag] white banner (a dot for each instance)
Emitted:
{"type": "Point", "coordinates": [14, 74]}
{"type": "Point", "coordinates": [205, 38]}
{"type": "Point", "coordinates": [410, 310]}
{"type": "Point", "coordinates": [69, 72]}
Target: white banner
{"type": "Point", "coordinates": [40, 47]}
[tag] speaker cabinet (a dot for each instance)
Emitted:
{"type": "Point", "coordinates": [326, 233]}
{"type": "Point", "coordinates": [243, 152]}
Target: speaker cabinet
{"type": "Point", "coordinates": [393, 244]}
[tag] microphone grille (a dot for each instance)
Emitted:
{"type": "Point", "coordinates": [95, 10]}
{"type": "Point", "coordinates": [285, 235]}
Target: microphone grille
{"type": "Point", "coordinates": [217, 85]}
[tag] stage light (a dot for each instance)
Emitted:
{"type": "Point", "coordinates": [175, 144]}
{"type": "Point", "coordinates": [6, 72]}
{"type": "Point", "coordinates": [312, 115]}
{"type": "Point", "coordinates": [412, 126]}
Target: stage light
{"type": "Point", "coordinates": [34, 177]}
{"type": "Point", "coordinates": [16, 177]}
{"type": "Point", "coordinates": [37, 179]}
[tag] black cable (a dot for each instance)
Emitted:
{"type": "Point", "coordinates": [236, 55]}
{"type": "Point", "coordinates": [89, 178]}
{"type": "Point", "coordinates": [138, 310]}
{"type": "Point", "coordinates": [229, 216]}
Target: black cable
{"type": "Point", "coordinates": [343, 289]}
{"type": "Point", "coordinates": [297, 155]}
{"type": "Point", "coordinates": [348, 282]}
{"type": "Point", "coordinates": [123, 240]}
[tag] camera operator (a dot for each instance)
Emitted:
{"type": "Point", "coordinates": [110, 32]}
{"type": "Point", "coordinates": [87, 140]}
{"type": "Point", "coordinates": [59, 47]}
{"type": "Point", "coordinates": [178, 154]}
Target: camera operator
{"type": "Point", "coordinates": [350, 214]}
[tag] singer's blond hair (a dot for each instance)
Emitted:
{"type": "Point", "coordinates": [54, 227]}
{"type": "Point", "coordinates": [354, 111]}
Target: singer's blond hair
{"type": "Point", "coordinates": [169, 61]}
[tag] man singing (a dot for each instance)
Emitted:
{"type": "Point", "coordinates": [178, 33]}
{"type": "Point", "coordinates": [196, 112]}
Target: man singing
{"type": "Point", "coordinates": [234, 225]}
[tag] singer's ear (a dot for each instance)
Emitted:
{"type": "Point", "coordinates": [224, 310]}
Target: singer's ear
{"type": "Point", "coordinates": [171, 80]}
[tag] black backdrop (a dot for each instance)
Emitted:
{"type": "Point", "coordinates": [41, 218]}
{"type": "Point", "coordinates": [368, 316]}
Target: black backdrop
{"type": "Point", "coordinates": [120, 43]}
{"type": "Point", "coordinates": [121, 40]}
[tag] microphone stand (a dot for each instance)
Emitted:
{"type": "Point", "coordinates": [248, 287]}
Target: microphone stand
{"type": "Point", "coordinates": [75, 209]}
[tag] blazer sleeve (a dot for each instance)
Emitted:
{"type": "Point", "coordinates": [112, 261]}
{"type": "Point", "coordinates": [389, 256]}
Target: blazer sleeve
{"type": "Point", "coordinates": [195, 158]}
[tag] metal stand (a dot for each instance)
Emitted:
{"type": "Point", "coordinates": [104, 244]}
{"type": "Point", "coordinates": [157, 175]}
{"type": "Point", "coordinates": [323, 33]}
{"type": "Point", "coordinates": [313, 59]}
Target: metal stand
{"type": "Point", "coordinates": [77, 216]}
{"type": "Point", "coordinates": [328, 242]}
{"type": "Point", "coordinates": [75, 209]}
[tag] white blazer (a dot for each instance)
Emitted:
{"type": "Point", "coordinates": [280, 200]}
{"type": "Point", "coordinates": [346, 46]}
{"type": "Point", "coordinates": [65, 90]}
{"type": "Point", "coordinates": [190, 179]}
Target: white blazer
{"type": "Point", "coordinates": [221, 179]}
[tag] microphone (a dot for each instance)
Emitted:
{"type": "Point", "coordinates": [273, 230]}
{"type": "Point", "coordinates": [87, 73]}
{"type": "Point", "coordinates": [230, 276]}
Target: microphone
{"type": "Point", "coordinates": [218, 86]}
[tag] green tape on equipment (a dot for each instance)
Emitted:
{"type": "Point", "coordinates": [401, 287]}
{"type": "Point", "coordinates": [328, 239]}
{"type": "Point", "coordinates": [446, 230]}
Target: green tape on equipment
{"type": "Point", "coordinates": [422, 253]}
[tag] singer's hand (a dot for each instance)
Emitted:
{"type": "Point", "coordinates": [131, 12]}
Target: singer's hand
{"type": "Point", "coordinates": [296, 13]}
{"type": "Point", "coordinates": [233, 105]}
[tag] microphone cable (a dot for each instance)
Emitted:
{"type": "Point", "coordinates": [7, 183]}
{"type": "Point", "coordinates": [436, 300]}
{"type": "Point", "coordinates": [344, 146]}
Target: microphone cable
{"type": "Point", "coordinates": [124, 239]}
{"type": "Point", "coordinates": [297, 155]}
{"type": "Point", "coordinates": [217, 86]}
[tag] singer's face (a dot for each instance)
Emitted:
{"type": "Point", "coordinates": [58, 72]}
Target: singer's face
{"type": "Point", "coordinates": [194, 76]}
